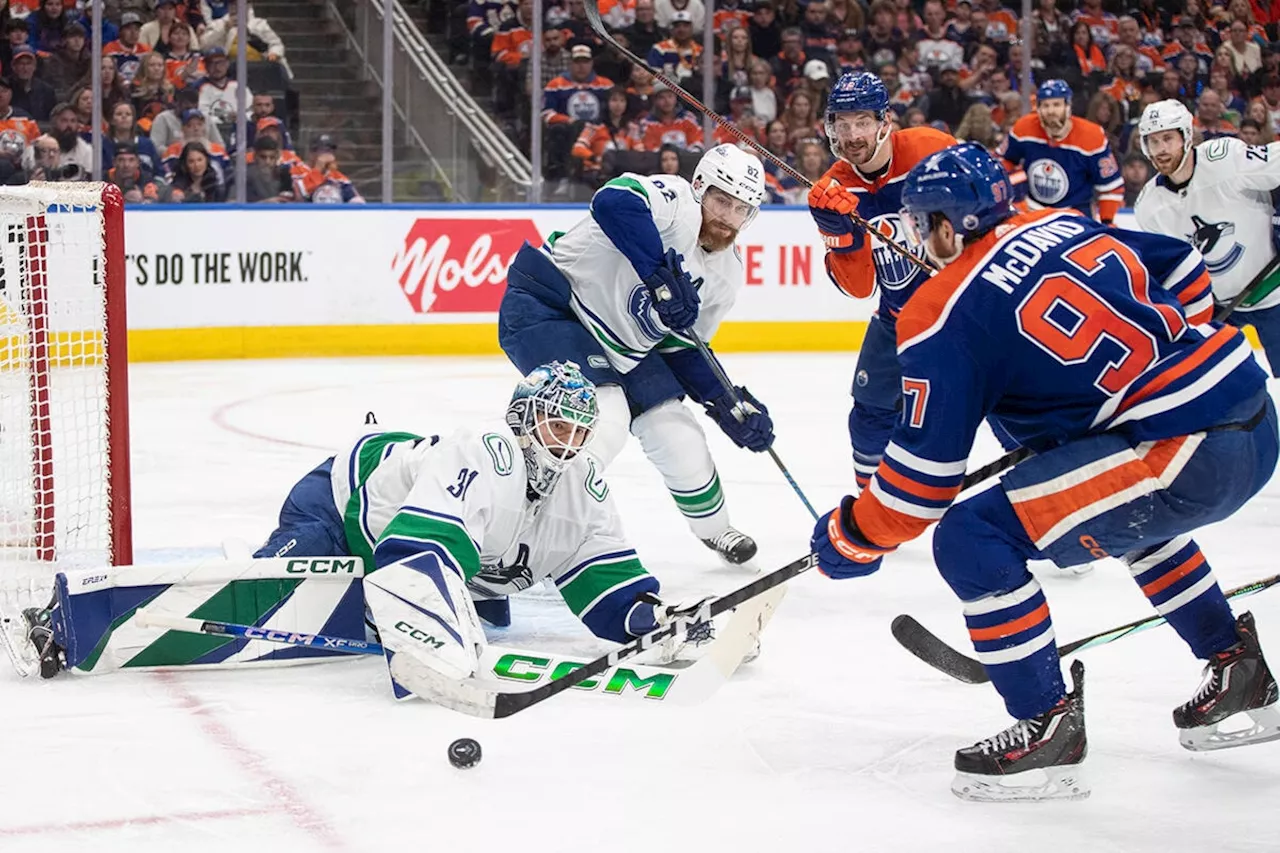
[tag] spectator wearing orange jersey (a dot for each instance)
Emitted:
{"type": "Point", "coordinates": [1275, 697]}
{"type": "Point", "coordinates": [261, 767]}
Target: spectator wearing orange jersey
{"type": "Point", "coordinates": [728, 16]}
{"type": "Point", "coordinates": [663, 125]}
{"type": "Point", "coordinates": [1103, 26]}
{"type": "Point", "coordinates": [135, 183]}
{"type": "Point", "coordinates": [1002, 24]}
{"type": "Point", "coordinates": [128, 49]}
{"type": "Point", "coordinates": [614, 133]}
{"type": "Point", "coordinates": [511, 46]}
{"type": "Point", "coordinates": [323, 183]}
{"type": "Point", "coordinates": [1125, 85]}
{"type": "Point", "coordinates": [183, 63]}
{"type": "Point", "coordinates": [193, 130]}
{"type": "Point", "coordinates": [195, 181]}
{"type": "Point", "coordinates": [15, 124]}
{"type": "Point", "coordinates": [617, 14]}
{"type": "Point", "coordinates": [678, 57]}
{"type": "Point", "coordinates": [1188, 39]}
{"type": "Point", "coordinates": [741, 117]}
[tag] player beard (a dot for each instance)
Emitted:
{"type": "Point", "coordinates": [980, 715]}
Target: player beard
{"type": "Point", "coordinates": [1054, 125]}
{"type": "Point", "coordinates": [716, 236]}
{"type": "Point", "coordinates": [856, 152]}
{"type": "Point", "coordinates": [1166, 163]}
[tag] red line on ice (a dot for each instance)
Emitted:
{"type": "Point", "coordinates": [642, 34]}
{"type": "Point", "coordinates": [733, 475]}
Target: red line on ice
{"type": "Point", "coordinates": [288, 798]}
{"type": "Point", "coordinates": [125, 822]}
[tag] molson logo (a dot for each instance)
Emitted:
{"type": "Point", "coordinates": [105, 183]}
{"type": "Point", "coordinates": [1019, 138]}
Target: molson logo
{"type": "Point", "coordinates": [459, 265]}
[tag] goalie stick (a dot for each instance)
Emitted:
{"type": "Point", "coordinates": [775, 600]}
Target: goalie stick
{"type": "Point", "coordinates": [926, 645]}
{"type": "Point", "coordinates": [592, 8]}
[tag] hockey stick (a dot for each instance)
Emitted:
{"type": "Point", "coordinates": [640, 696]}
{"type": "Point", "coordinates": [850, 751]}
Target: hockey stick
{"type": "Point", "coordinates": [592, 8]}
{"type": "Point", "coordinates": [924, 644]}
{"type": "Point", "coordinates": [738, 414]}
{"type": "Point", "coordinates": [1236, 301]}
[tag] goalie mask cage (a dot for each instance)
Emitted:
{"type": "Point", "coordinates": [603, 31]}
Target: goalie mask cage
{"type": "Point", "coordinates": [64, 400]}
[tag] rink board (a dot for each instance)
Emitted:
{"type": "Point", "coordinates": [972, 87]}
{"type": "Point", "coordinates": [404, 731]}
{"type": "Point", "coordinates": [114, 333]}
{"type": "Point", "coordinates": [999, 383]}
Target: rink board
{"type": "Point", "coordinates": [266, 281]}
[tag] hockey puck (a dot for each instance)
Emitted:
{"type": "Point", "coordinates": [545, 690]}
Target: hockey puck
{"type": "Point", "coordinates": [464, 753]}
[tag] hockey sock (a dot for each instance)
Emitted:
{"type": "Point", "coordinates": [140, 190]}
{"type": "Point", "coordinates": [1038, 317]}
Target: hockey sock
{"type": "Point", "coordinates": [869, 431]}
{"type": "Point", "coordinates": [677, 447]}
{"type": "Point", "coordinates": [1177, 580]}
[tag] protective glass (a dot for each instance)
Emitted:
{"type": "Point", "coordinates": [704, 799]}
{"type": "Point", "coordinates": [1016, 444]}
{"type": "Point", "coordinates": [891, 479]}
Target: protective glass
{"type": "Point", "coordinates": [915, 231]}
{"type": "Point", "coordinates": [722, 207]}
{"type": "Point", "coordinates": [850, 126]}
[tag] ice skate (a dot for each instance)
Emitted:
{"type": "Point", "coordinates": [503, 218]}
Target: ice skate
{"type": "Point", "coordinates": [733, 546]}
{"type": "Point", "coordinates": [1236, 681]}
{"type": "Point", "coordinates": [1032, 760]}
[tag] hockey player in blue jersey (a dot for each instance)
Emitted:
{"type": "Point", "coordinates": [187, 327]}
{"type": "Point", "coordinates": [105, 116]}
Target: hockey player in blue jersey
{"type": "Point", "coordinates": [1148, 422]}
{"type": "Point", "coordinates": [1067, 159]}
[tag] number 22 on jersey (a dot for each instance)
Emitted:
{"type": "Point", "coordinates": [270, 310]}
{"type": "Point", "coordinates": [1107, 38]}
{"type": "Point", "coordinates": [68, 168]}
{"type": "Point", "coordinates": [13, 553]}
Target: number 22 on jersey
{"type": "Point", "coordinates": [1068, 319]}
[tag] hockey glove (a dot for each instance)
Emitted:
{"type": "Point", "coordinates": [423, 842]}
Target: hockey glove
{"type": "Point", "coordinates": [663, 613]}
{"type": "Point", "coordinates": [843, 552]}
{"type": "Point", "coordinates": [747, 426]}
{"type": "Point", "coordinates": [674, 296]}
{"type": "Point", "coordinates": [830, 204]}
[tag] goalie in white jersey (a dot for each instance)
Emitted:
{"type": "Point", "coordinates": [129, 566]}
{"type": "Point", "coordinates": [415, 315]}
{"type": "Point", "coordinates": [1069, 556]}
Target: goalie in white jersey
{"type": "Point", "coordinates": [1218, 196]}
{"type": "Point", "coordinates": [621, 293]}
{"type": "Point", "coordinates": [429, 514]}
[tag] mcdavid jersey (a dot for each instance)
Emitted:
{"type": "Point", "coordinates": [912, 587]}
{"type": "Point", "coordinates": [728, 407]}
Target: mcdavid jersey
{"type": "Point", "coordinates": [652, 215]}
{"type": "Point", "coordinates": [1226, 211]}
{"type": "Point", "coordinates": [463, 498]}
{"type": "Point", "coordinates": [1068, 172]}
{"type": "Point", "coordinates": [879, 201]}
{"type": "Point", "coordinates": [1059, 327]}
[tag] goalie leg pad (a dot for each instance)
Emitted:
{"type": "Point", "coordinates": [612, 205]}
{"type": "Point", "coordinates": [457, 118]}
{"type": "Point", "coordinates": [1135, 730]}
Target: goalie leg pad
{"type": "Point", "coordinates": [309, 521]}
{"type": "Point", "coordinates": [423, 610]}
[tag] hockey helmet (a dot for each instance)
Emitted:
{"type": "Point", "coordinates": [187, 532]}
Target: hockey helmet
{"type": "Point", "coordinates": [963, 183]}
{"type": "Point", "coordinates": [1054, 89]}
{"type": "Point", "coordinates": [856, 92]}
{"type": "Point", "coordinates": [1165, 115]}
{"type": "Point", "coordinates": [738, 174]}
{"type": "Point", "coordinates": [553, 414]}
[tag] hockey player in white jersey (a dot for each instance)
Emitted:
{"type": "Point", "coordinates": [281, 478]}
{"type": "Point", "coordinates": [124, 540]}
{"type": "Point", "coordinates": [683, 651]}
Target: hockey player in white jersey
{"type": "Point", "coordinates": [1217, 196]}
{"type": "Point", "coordinates": [427, 514]}
{"type": "Point", "coordinates": [621, 293]}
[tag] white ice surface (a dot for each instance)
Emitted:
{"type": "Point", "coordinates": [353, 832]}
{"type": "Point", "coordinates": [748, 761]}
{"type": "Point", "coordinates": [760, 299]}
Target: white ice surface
{"type": "Point", "coordinates": [835, 739]}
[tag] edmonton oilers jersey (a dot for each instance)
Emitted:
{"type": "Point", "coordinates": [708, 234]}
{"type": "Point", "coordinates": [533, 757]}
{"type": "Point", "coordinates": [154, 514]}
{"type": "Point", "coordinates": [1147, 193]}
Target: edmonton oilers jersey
{"type": "Point", "coordinates": [880, 202]}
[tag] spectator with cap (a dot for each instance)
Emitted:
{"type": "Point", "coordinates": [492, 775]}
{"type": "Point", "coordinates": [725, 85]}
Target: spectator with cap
{"type": "Point", "coordinates": [819, 38]}
{"type": "Point", "coordinates": [136, 184]}
{"type": "Point", "coordinates": [267, 180]}
{"type": "Point", "coordinates": [69, 63]}
{"type": "Point", "coordinates": [194, 129]}
{"type": "Point", "coordinates": [122, 128]}
{"type": "Point", "coordinates": [766, 31]}
{"type": "Point", "coordinates": [30, 93]}
{"type": "Point", "coordinates": [817, 80]}
{"type": "Point", "coordinates": [195, 180]}
{"type": "Point", "coordinates": [679, 56]}
{"type": "Point", "coordinates": [568, 102]}
{"type": "Point", "coordinates": [741, 117]}
{"type": "Point", "coordinates": [183, 63]}
{"type": "Point", "coordinates": [263, 41]}
{"type": "Point", "coordinates": [166, 128]}
{"type": "Point", "coordinates": [323, 183]}
{"type": "Point", "coordinates": [274, 127]}
{"type": "Point", "coordinates": [644, 33]}
{"type": "Point", "coordinates": [64, 126]}
{"type": "Point", "coordinates": [665, 12]}
{"type": "Point", "coordinates": [156, 32]}
{"type": "Point", "coordinates": [128, 49]}
{"type": "Point", "coordinates": [217, 92]}
{"type": "Point", "coordinates": [663, 124]}
{"type": "Point", "coordinates": [46, 27]}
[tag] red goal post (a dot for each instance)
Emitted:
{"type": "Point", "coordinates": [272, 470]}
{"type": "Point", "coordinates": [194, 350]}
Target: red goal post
{"type": "Point", "coordinates": [64, 389]}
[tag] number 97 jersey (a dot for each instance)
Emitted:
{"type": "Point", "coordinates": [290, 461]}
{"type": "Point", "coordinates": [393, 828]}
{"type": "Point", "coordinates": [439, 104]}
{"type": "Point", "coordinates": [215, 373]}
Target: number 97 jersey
{"type": "Point", "coordinates": [1059, 327]}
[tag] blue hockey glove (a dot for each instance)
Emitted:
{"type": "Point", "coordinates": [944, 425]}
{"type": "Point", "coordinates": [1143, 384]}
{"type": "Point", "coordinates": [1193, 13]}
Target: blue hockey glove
{"type": "Point", "coordinates": [674, 297]}
{"type": "Point", "coordinates": [843, 552]}
{"type": "Point", "coordinates": [755, 429]}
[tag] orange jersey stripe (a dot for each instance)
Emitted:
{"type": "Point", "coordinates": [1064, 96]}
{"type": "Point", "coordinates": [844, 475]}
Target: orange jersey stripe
{"type": "Point", "coordinates": [1172, 576]}
{"type": "Point", "coordinates": [920, 490]}
{"type": "Point", "coordinates": [1220, 338]}
{"type": "Point", "coordinates": [882, 526]}
{"type": "Point", "coordinates": [1013, 626]}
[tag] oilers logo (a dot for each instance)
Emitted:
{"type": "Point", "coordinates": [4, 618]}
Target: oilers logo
{"type": "Point", "coordinates": [583, 106]}
{"type": "Point", "coordinates": [640, 306]}
{"type": "Point", "coordinates": [893, 271]}
{"type": "Point", "coordinates": [1047, 181]}
{"type": "Point", "coordinates": [12, 143]}
{"type": "Point", "coordinates": [1208, 237]}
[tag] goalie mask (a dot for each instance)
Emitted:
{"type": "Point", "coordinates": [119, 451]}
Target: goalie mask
{"type": "Point", "coordinates": [553, 415]}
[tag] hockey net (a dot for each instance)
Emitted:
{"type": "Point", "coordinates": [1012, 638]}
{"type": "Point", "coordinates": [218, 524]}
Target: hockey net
{"type": "Point", "coordinates": [64, 445]}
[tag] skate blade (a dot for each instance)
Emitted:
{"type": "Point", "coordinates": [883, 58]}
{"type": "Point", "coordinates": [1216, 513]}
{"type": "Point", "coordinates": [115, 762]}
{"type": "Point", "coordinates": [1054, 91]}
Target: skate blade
{"type": "Point", "coordinates": [1030, 786]}
{"type": "Point", "coordinates": [1264, 726]}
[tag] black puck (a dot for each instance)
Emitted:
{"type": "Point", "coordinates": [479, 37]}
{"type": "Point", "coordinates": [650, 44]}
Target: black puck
{"type": "Point", "coordinates": [464, 753]}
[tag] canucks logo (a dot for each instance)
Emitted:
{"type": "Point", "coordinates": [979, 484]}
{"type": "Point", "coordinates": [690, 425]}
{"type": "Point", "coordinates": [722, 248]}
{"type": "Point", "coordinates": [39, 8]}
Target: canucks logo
{"type": "Point", "coordinates": [640, 306]}
{"type": "Point", "coordinates": [1207, 236]}
{"type": "Point", "coordinates": [893, 271]}
{"type": "Point", "coordinates": [1047, 181]}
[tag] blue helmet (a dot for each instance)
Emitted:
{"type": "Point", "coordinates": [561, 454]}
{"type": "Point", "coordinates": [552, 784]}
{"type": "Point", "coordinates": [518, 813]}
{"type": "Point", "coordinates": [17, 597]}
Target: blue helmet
{"type": "Point", "coordinates": [857, 91]}
{"type": "Point", "coordinates": [1054, 89]}
{"type": "Point", "coordinates": [965, 184]}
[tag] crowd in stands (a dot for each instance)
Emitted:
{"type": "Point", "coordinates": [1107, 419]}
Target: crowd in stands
{"type": "Point", "coordinates": [168, 104]}
{"type": "Point", "coordinates": [953, 64]}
